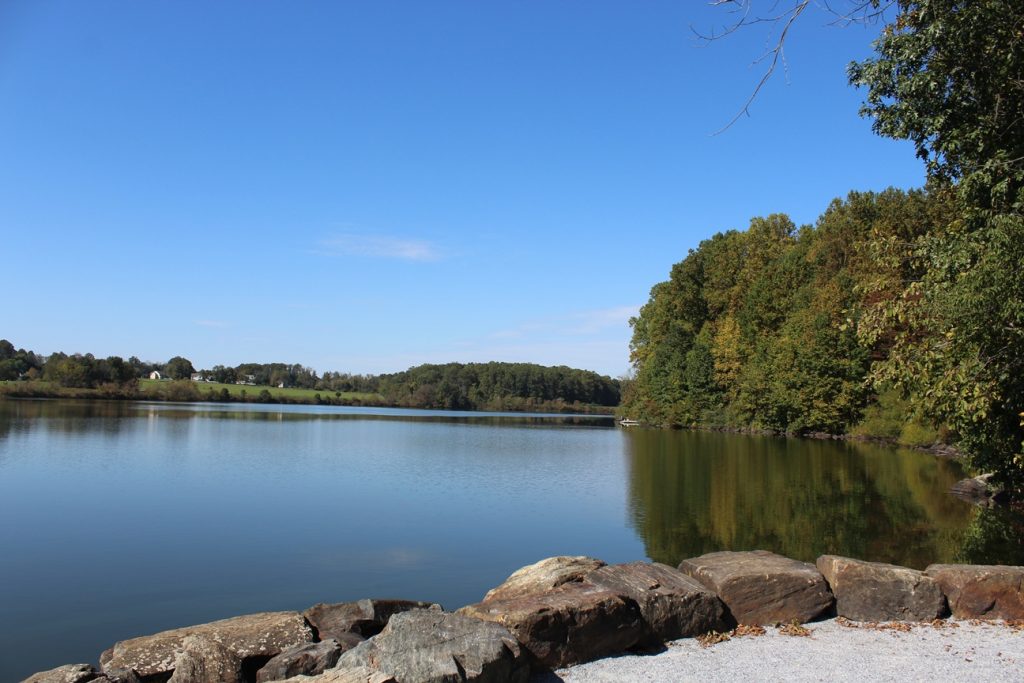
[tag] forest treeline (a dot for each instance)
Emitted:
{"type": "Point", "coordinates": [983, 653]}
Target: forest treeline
{"type": "Point", "coordinates": [756, 329]}
{"type": "Point", "coordinates": [453, 386]}
{"type": "Point", "coordinates": [497, 386]}
{"type": "Point", "coordinates": [896, 311]}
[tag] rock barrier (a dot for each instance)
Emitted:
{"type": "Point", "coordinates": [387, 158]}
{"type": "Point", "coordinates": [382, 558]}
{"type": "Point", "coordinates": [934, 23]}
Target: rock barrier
{"type": "Point", "coordinates": [558, 612]}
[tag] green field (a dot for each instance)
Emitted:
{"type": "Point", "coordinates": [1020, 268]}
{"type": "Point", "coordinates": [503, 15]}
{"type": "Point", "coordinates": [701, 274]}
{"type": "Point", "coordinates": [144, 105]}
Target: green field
{"type": "Point", "coordinates": [157, 387]}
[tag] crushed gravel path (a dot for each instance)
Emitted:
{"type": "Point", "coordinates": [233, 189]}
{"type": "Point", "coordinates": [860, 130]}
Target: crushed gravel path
{"type": "Point", "coordinates": [953, 651]}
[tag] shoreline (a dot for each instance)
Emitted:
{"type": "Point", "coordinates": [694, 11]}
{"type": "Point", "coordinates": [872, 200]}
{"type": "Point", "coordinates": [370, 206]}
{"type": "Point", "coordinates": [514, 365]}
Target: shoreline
{"type": "Point", "coordinates": [579, 619]}
{"type": "Point", "coordinates": [192, 393]}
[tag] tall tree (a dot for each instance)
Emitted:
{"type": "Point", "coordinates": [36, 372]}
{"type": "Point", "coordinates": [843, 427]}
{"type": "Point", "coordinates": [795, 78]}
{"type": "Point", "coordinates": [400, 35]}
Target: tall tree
{"type": "Point", "coordinates": [948, 75]}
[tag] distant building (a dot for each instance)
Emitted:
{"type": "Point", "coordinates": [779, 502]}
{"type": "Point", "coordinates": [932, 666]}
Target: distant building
{"type": "Point", "coordinates": [155, 375]}
{"type": "Point", "coordinates": [248, 380]}
{"type": "Point", "coordinates": [198, 377]}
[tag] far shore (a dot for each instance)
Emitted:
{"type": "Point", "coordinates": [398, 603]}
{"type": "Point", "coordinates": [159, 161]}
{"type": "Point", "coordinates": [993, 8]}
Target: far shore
{"type": "Point", "coordinates": [188, 391]}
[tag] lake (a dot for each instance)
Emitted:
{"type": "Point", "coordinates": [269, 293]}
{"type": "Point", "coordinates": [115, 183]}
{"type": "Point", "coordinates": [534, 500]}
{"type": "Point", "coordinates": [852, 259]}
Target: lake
{"type": "Point", "coordinates": [122, 519]}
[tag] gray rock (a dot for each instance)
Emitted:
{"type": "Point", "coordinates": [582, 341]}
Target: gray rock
{"type": "Point", "coordinates": [872, 591]}
{"type": "Point", "coordinates": [976, 591]}
{"type": "Point", "coordinates": [254, 635]}
{"type": "Point", "coordinates": [544, 575]}
{"type": "Point", "coordinates": [977, 490]}
{"type": "Point", "coordinates": [69, 673]}
{"type": "Point", "coordinates": [428, 646]}
{"type": "Point", "coordinates": [672, 604]}
{"type": "Point", "coordinates": [576, 622]}
{"type": "Point", "coordinates": [120, 676]}
{"type": "Point", "coordinates": [364, 618]}
{"type": "Point", "coordinates": [760, 587]}
{"type": "Point", "coordinates": [307, 659]}
{"type": "Point", "coordinates": [204, 660]}
{"type": "Point", "coordinates": [359, 674]}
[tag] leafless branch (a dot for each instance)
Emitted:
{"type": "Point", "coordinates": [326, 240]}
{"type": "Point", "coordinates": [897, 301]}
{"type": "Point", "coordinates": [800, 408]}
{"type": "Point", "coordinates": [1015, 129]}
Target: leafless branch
{"type": "Point", "coordinates": [783, 15]}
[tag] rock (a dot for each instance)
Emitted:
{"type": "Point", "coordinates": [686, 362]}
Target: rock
{"type": "Point", "coordinates": [120, 676]}
{"type": "Point", "coordinates": [872, 591]}
{"type": "Point", "coordinates": [976, 591]}
{"type": "Point", "coordinates": [544, 575]}
{"type": "Point", "coordinates": [364, 618]}
{"type": "Point", "coordinates": [359, 674]}
{"type": "Point", "coordinates": [428, 646]}
{"type": "Point", "coordinates": [307, 659]}
{"type": "Point", "coordinates": [69, 673]}
{"type": "Point", "coordinates": [203, 660]}
{"type": "Point", "coordinates": [974, 490]}
{"type": "Point", "coordinates": [760, 587]}
{"type": "Point", "coordinates": [254, 635]}
{"type": "Point", "coordinates": [574, 623]}
{"type": "Point", "coordinates": [672, 604]}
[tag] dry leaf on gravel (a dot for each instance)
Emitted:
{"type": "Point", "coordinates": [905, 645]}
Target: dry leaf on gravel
{"type": "Point", "coordinates": [901, 626]}
{"type": "Point", "coordinates": [943, 623]}
{"type": "Point", "coordinates": [794, 629]}
{"type": "Point", "coordinates": [711, 638]}
{"type": "Point", "coordinates": [745, 630]}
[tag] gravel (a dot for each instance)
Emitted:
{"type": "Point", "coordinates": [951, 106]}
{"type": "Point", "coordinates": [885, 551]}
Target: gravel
{"type": "Point", "coordinates": [953, 650]}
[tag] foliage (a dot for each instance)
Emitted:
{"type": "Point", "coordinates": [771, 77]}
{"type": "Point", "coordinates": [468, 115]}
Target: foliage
{"type": "Point", "coordinates": [179, 368]}
{"type": "Point", "coordinates": [476, 386]}
{"type": "Point", "coordinates": [755, 329]}
{"type": "Point", "coordinates": [498, 386]}
{"type": "Point", "coordinates": [949, 76]}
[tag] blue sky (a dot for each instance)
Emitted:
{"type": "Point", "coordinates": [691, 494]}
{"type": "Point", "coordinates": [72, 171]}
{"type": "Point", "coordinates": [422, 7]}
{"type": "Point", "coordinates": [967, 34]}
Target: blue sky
{"type": "Point", "coordinates": [365, 186]}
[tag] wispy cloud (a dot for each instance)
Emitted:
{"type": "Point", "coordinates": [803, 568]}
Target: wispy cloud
{"type": "Point", "coordinates": [380, 246]}
{"type": "Point", "coordinates": [574, 324]}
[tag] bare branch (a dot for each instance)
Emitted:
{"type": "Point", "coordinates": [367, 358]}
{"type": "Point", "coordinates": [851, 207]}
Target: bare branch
{"type": "Point", "coordinates": [864, 12]}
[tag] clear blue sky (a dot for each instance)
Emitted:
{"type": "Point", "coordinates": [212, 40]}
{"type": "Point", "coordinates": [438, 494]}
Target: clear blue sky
{"type": "Point", "coordinates": [365, 186]}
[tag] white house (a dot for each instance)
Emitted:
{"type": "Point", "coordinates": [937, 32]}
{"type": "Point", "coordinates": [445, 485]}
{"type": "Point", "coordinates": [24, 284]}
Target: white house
{"type": "Point", "coordinates": [155, 375]}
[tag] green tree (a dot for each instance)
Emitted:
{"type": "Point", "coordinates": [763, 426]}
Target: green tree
{"type": "Point", "coordinates": [179, 368]}
{"type": "Point", "coordinates": [947, 76]}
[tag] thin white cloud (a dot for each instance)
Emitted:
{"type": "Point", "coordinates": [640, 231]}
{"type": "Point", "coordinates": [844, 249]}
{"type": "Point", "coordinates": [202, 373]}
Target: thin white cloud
{"type": "Point", "coordinates": [574, 324]}
{"type": "Point", "coordinates": [380, 246]}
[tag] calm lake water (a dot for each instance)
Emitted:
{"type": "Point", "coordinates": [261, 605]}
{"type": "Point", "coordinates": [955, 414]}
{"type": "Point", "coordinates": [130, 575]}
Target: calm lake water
{"type": "Point", "coordinates": [123, 519]}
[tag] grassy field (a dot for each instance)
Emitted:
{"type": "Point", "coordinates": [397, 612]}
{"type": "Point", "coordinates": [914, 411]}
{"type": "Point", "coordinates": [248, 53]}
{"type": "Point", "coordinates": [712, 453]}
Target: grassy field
{"type": "Point", "coordinates": [236, 391]}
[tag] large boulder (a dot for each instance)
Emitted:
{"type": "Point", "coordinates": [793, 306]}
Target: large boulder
{"type": "Point", "coordinates": [873, 591]}
{"type": "Point", "coordinates": [255, 635]}
{"type": "Point", "coordinates": [574, 623]}
{"type": "Point", "coordinates": [364, 617]}
{"type": "Point", "coordinates": [671, 603]}
{"type": "Point", "coordinates": [544, 575]}
{"type": "Point", "coordinates": [359, 674]}
{"type": "Point", "coordinates": [760, 587]}
{"type": "Point", "coordinates": [429, 646]}
{"type": "Point", "coordinates": [203, 660]}
{"type": "Point", "coordinates": [979, 591]}
{"type": "Point", "coordinates": [69, 673]}
{"type": "Point", "coordinates": [307, 659]}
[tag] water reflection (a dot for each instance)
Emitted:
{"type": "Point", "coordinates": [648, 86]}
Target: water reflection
{"type": "Point", "coordinates": [697, 492]}
{"type": "Point", "coordinates": [110, 416]}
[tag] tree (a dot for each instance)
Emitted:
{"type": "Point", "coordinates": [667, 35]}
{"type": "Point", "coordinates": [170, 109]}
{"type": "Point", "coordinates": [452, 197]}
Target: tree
{"type": "Point", "coordinates": [179, 368]}
{"type": "Point", "coordinates": [949, 76]}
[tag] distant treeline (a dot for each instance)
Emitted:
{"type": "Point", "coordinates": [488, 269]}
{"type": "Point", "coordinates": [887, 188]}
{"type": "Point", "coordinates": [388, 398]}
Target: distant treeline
{"type": "Point", "coordinates": [496, 386]}
{"type": "Point", "coordinates": [456, 386]}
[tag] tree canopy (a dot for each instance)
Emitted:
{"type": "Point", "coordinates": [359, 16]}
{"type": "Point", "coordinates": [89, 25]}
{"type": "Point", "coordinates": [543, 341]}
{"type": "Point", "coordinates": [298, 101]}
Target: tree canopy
{"type": "Point", "coordinates": [900, 303]}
